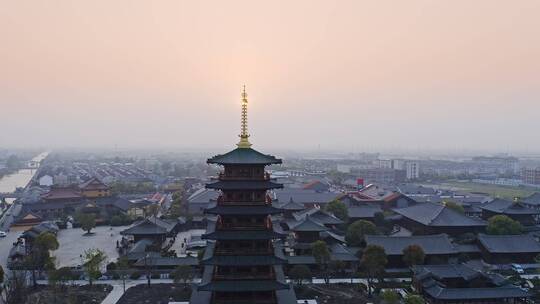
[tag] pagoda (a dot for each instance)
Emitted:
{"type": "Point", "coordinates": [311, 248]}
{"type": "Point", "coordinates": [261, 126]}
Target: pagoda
{"type": "Point", "coordinates": [243, 260]}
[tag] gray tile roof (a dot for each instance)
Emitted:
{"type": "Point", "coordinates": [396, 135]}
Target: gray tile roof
{"type": "Point", "coordinates": [533, 199]}
{"type": "Point", "coordinates": [509, 243]}
{"type": "Point", "coordinates": [431, 244]}
{"type": "Point", "coordinates": [431, 214]}
{"type": "Point", "coordinates": [364, 211]}
{"type": "Point", "coordinates": [507, 207]}
{"type": "Point", "coordinates": [305, 196]}
{"type": "Point", "coordinates": [447, 271]}
{"type": "Point", "coordinates": [441, 293]}
{"type": "Point", "coordinates": [306, 224]}
{"type": "Point", "coordinates": [319, 215]}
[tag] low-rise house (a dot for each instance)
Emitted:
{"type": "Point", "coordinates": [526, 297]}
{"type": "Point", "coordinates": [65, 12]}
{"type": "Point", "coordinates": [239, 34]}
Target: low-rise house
{"type": "Point", "coordinates": [505, 249]}
{"type": "Point", "coordinates": [515, 210]}
{"type": "Point", "coordinates": [430, 218]}
{"type": "Point", "coordinates": [450, 284]}
{"type": "Point", "coordinates": [437, 248]}
{"type": "Point", "coordinates": [27, 221]}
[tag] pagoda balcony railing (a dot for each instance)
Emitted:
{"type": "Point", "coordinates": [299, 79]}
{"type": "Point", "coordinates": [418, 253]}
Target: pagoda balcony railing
{"type": "Point", "coordinates": [242, 226]}
{"type": "Point", "coordinates": [244, 301]}
{"type": "Point", "coordinates": [221, 201]}
{"type": "Point", "coordinates": [264, 177]}
{"type": "Point", "coordinates": [244, 251]}
{"type": "Point", "coordinates": [244, 276]}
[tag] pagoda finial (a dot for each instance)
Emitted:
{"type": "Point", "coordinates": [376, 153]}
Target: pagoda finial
{"type": "Point", "coordinates": [244, 142]}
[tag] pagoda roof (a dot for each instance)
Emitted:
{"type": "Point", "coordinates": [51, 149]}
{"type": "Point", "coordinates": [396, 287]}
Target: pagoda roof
{"type": "Point", "coordinates": [243, 260]}
{"type": "Point", "coordinates": [243, 210]}
{"type": "Point", "coordinates": [243, 235]}
{"type": "Point", "coordinates": [244, 156]}
{"type": "Point", "coordinates": [309, 224]}
{"type": "Point", "coordinates": [244, 185]}
{"type": "Point", "coordinates": [292, 205]}
{"type": "Point", "coordinates": [243, 285]}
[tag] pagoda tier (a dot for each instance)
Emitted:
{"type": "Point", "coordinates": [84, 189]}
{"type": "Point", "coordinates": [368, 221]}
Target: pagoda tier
{"type": "Point", "coordinates": [234, 209]}
{"type": "Point", "coordinates": [243, 235]}
{"type": "Point", "coordinates": [244, 185]}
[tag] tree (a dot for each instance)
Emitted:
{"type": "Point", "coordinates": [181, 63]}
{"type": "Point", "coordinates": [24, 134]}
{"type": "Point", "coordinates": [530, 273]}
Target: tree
{"type": "Point", "coordinates": [321, 253]}
{"type": "Point", "coordinates": [122, 265]}
{"type": "Point", "coordinates": [40, 258]}
{"type": "Point", "coordinates": [358, 230]}
{"type": "Point", "coordinates": [414, 299]}
{"type": "Point", "coordinates": [183, 274]}
{"type": "Point", "coordinates": [93, 260]}
{"type": "Point", "coordinates": [390, 297]}
{"type": "Point", "coordinates": [503, 225]}
{"type": "Point", "coordinates": [373, 262]}
{"type": "Point", "coordinates": [58, 279]}
{"type": "Point", "coordinates": [413, 255]}
{"type": "Point", "coordinates": [455, 206]}
{"type": "Point", "coordinates": [300, 273]}
{"type": "Point", "coordinates": [339, 209]}
{"type": "Point", "coordinates": [87, 221]}
{"type": "Point", "coordinates": [15, 289]}
{"type": "Point", "coordinates": [335, 268]}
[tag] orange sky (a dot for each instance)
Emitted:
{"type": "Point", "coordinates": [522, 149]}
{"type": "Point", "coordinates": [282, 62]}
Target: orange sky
{"type": "Point", "coordinates": [358, 75]}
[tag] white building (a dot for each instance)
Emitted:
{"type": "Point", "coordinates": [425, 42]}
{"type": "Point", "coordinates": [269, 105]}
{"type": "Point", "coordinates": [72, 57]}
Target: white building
{"type": "Point", "coordinates": [413, 169]}
{"type": "Point", "coordinates": [46, 181]}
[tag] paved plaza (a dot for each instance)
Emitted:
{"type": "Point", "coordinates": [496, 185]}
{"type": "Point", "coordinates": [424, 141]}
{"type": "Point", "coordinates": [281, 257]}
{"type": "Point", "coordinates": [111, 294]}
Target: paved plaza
{"type": "Point", "coordinates": [73, 244]}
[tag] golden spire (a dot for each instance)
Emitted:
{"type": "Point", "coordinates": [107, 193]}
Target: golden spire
{"type": "Point", "coordinates": [244, 142]}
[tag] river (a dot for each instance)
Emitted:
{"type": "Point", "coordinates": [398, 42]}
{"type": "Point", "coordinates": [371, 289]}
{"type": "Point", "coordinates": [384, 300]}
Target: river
{"type": "Point", "coordinates": [10, 182]}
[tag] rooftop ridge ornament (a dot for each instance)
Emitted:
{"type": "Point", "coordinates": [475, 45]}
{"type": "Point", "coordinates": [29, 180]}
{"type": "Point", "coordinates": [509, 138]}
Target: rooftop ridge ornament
{"type": "Point", "coordinates": [244, 136]}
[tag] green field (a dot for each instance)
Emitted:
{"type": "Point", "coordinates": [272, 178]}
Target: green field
{"type": "Point", "coordinates": [505, 192]}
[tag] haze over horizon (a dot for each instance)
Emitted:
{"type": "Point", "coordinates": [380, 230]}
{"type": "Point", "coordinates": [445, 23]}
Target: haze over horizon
{"type": "Point", "coordinates": [345, 75]}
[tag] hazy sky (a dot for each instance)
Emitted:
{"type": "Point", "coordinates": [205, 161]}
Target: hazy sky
{"type": "Point", "coordinates": [362, 75]}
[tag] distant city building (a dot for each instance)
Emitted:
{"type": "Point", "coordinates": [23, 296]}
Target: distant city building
{"type": "Point", "coordinates": [411, 167]}
{"type": "Point", "coordinates": [499, 164]}
{"type": "Point", "coordinates": [382, 175]}
{"type": "Point", "coordinates": [530, 176]}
